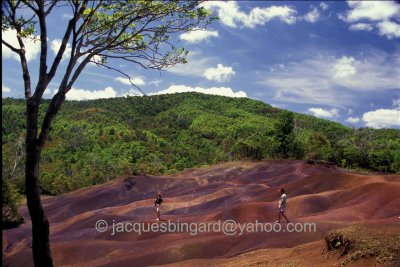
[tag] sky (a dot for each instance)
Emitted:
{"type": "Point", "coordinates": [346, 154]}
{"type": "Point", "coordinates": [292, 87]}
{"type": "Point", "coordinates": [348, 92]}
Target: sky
{"type": "Point", "coordinates": [334, 60]}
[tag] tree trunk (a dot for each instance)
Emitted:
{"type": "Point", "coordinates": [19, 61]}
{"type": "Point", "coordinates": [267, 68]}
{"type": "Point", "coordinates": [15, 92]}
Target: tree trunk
{"type": "Point", "coordinates": [40, 224]}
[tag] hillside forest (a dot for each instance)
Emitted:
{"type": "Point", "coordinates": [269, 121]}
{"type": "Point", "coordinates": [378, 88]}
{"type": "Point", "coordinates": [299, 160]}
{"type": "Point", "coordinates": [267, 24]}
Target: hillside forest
{"type": "Point", "coordinates": [91, 142]}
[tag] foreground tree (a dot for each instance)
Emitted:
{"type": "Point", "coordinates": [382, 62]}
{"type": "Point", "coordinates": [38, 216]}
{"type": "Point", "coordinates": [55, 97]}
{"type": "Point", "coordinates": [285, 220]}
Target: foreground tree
{"type": "Point", "coordinates": [136, 31]}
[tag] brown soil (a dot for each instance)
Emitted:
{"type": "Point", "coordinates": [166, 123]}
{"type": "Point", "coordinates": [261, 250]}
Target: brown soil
{"type": "Point", "coordinates": [243, 191]}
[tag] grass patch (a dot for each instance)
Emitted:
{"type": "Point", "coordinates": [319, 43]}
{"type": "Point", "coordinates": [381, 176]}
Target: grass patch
{"type": "Point", "coordinates": [356, 242]}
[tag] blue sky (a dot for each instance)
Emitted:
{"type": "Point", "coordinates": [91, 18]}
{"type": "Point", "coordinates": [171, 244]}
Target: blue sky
{"type": "Point", "coordinates": [334, 60]}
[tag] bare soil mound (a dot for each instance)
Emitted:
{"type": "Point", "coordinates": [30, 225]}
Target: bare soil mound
{"type": "Point", "coordinates": [245, 192]}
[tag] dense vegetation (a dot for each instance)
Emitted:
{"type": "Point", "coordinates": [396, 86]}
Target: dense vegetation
{"type": "Point", "coordinates": [93, 141]}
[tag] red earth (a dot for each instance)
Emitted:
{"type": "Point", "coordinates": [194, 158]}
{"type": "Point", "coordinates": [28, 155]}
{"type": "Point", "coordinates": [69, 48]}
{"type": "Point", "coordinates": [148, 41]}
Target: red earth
{"type": "Point", "coordinates": [243, 191]}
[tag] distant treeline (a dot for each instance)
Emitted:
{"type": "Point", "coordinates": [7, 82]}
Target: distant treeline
{"type": "Point", "coordinates": [93, 141]}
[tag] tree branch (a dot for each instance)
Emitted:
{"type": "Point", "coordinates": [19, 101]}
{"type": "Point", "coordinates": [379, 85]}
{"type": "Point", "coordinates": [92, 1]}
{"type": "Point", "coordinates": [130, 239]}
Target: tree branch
{"type": "Point", "coordinates": [24, 62]}
{"type": "Point", "coordinates": [51, 112]}
{"type": "Point", "coordinates": [88, 17]}
{"type": "Point", "coordinates": [77, 73]}
{"type": "Point", "coordinates": [57, 101]}
{"type": "Point", "coordinates": [121, 72]}
{"type": "Point", "coordinates": [41, 85]}
{"type": "Point", "coordinates": [11, 47]}
{"type": "Point", "coordinates": [61, 51]}
{"type": "Point", "coordinates": [52, 5]}
{"type": "Point", "coordinates": [28, 4]}
{"type": "Point", "coordinates": [71, 27]}
{"type": "Point", "coordinates": [128, 58]}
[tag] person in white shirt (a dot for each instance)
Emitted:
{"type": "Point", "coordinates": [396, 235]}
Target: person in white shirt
{"type": "Point", "coordinates": [282, 206]}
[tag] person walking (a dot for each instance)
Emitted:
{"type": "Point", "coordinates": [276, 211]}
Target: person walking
{"type": "Point", "coordinates": [157, 204]}
{"type": "Point", "coordinates": [282, 206]}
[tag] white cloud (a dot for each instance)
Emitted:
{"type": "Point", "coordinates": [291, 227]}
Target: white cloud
{"type": "Point", "coordinates": [220, 74]}
{"type": "Point", "coordinates": [277, 67]}
{"type": "Point", "coordinates": [382, 118]}
{"type": "Point", "coordinates": [198, 35]}
{"type": "Point", "coordinates": [55, 46]}
{"type": "Point", "coordinates": [229, 13]}
{"type": "Point", "coordinates": [138, 80]}
{"type": "Point", "coordinates": [312, 16]}
{"type": "Point", "coordinates": [67, 16]}
{"type": "Point", "coordinates": [344, 68]}
{"type": "Point", "coordinates": [259, 16]}
{"type": "Point", "coordinates": [389, 29]}
{"type": "Point", "coordinates": [371, 10]}
{"type": "Point", "coordinates": [81, 94]}
{"type": "Point", "coordinates": [156, 82]}
{"type": "Point", "coordinates": [223, 91]}
{"type": "Point", "coordinates": [323, 113]}
{"type": "Point", "coordinates": [48, 92]}
{"type": "Point", "coordinates": [305, 82]}
{"type": "Point", "coordinates": [304, 87]}
{"type": "Point", "coordinates": [32, 49]}
{"type": "Point", "coordinates": [323, 6]}
{"type": "Point", "coordinates": [5, 89]}
{"type": "Point", "coordinates": [383, 15]}
{"type": "Point", "coordinates": [92, 62]}
{"type": "Point", "coordinates": [373, 72]}
{"type": "Point", "coordinates": [324, 79]}
{"type": "Point", "coordinates": [350, 111]}
{"type": "Point", "coordinates": [315, 13]}
{"type": "Point", "coordinates": [196, 66]}
{"type": "Point", "coordinates": [95, 58]}
{"type": "Point", "coordinates": [353, 120]}
{"type": "Point", "coordinates": [361, 27]}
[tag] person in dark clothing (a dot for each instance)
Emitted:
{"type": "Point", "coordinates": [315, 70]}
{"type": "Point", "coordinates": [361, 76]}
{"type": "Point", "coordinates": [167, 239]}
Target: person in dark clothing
{"type": "Point", "coordinates": [157, 204]}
